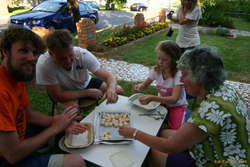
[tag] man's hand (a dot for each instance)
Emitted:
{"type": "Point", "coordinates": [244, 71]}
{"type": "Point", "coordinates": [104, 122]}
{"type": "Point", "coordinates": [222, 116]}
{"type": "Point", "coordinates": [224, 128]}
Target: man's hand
{"type": "Point", "coordinates": [111, 95]}
{"type": "Point", "coordinates": [145, 99]}
{"type": "Point", "coordinates": [75, 128]}
{"type": "Point", "coordinates": [95, 93]}
{"type": "Point", "coordinates": [62, 121]}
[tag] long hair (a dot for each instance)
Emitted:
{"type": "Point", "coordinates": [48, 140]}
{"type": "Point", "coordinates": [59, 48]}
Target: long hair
{"type": "Point", "coordinates": [192, 6]}
{"type": "Point", "coordinates": [171, 49]}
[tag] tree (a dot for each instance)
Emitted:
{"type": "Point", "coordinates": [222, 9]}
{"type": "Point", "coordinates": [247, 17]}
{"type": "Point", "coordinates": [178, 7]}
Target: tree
{"type": "Point", "coordinates": [3, 7]}
{"type": "Point", "coordinates": [74, 10]}
{"type": "Point", "coordinates": [119, 3]}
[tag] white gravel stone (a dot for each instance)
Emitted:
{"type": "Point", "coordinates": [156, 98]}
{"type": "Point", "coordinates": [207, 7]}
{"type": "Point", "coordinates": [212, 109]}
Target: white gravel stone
{"type": "Point", "coordinates": [122, 70]}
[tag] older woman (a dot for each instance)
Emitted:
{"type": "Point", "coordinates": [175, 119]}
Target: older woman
{"type": "Point", "coordinates": [218, 131]}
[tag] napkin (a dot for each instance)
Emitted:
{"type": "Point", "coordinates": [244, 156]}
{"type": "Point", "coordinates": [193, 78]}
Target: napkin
{"type": "Point", "coordinates": [122, 159]}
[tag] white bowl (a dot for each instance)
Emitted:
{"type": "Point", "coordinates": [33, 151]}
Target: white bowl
{"type": "Point", "coordinates": [150, 106]}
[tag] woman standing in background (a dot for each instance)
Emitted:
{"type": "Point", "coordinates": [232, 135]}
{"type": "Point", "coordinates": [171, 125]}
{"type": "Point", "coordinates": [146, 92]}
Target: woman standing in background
{"type": "Point", "coordinates": [188, 17]}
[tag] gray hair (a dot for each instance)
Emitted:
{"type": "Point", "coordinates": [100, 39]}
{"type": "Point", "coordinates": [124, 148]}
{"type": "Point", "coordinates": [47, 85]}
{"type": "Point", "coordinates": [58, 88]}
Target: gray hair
{"type": "Point", "coordinates": [205, 65]}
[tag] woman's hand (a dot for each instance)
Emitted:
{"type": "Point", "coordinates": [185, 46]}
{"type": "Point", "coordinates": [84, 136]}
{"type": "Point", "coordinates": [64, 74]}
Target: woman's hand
{"type": "Point", "coordinates": [126, 132]}
{"type": "Point", "coordinates": [145, 99]}
{"type": "Point", "coordinates": [138, 87]}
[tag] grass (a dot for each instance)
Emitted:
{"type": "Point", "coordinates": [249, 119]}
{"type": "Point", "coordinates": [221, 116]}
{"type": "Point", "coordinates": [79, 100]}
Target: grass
{"type": "Point", "coordinates": [17, 10]}
{"type": "Point", "coordinates": [241, 24]}
{"type": "Point", "coordinates": [41, 102]}
{"type": "Point", "coordinates": [235, 53]}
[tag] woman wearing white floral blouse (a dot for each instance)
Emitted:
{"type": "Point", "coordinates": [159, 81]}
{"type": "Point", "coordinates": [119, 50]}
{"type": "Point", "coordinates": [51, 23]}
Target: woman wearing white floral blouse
{"type": "Point", "coordinates": [218, 130]}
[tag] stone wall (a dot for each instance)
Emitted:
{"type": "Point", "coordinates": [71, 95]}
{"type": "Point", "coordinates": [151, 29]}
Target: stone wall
{"type": "Point", "coordinates": [86, 33]}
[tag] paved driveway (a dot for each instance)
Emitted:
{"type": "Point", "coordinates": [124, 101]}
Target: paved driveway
{"type": "Point", "coordinates": [113, 18]}
{"type": "Point", "coordinates": [110, 18]}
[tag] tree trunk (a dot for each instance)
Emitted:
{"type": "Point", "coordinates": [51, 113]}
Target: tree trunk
{"type": "Point", "coordinates": [3, 7]}
{"type": "Point", "coordinates": [10, 3]}
{"type": "Point", "coordinates": [74, 10]}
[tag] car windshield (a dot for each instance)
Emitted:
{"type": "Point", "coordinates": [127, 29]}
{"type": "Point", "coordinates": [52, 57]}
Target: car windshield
{"type": "Point", "coordinates": [84, 6]}
{"type": "Point", "coordinates": [48, 6]}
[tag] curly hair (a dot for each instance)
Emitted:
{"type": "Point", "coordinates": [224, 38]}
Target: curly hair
{"type": "Point", "coordinates": [17, 33]}
{"type": "Point", "coordinates": [58, 39]}
{"type": "Point", "coordinates": [171, 49]}
{"type": "Point", "coordinates": [206, 67]}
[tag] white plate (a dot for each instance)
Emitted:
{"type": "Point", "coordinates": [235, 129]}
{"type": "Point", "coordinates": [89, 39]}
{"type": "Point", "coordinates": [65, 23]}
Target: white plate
{"type": "Point", "coordinates": [150, 106]}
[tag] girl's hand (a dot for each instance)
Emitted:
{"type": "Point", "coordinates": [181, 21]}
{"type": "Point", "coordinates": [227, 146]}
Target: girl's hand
{"type": "Point", "coordinates": [145, 99]}
{"type": "Point", "coordinates": [126, 132]}
{"type": "Point", "coordinates": [138, 87]}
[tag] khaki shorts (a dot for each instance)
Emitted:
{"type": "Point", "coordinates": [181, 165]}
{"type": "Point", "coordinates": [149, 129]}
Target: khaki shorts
{"type": "Point", "coordinates": [56, 160]}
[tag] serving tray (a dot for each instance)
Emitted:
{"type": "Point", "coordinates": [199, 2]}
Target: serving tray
{"type": "Point", "coordinates": [108, 125]}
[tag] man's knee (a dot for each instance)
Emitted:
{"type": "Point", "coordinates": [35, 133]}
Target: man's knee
{"type": "Point", "coordinates": [119, 89]}
{"type": "Point", "coordinates": [73, 160]}
{"type": "Point", "coordinates": [103, 87]}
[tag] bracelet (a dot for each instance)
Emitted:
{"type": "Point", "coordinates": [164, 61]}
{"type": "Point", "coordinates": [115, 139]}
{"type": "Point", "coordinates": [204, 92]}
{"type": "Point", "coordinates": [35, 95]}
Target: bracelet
{"type": "Point", "coordinates": [135, 133]}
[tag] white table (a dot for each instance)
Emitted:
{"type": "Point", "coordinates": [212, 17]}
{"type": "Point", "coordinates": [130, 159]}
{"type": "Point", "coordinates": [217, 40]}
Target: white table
{"type": "Point", "coordinates": [124, 155]}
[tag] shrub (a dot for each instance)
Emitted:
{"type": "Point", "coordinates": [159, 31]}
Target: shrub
{"type": "Point", "coordinates": [246, 10]}
{"type": "Point", "coordinates": [127, 33]}
{"type": "Point", "coordinates": [213, 12]}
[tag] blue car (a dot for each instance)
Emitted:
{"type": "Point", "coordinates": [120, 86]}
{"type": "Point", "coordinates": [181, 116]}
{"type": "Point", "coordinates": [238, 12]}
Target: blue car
{"type": "Point", "coordinates": [53, 14]}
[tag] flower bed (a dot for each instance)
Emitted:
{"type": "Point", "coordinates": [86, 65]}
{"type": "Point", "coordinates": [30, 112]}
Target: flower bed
{"type": "Point", "coordinates": [127, 34]}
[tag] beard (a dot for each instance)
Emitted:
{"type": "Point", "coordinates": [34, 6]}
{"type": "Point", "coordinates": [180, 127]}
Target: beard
{"type": "Point", "coordinates": [19, 74]}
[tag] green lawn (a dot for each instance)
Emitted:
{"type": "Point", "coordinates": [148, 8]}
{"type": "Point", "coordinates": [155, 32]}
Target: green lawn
{"type": "Point", "coordinates": [41, 102]}
{"type": "Point", "coordinates": [235, 53]}
{"type": "Point", "coordinates": [241, 24]}
{"type": "Point", "coordinates": [17, 10]}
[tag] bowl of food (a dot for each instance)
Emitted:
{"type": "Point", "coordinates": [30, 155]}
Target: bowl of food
{"type": "Point", "coordinates": [134, 99]}
{"type": "Point", "coordinates": [81, 140]}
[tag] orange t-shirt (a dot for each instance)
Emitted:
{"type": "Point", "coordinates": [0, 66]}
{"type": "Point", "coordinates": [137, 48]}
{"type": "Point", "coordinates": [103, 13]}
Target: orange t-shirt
{"type": "Point", "coordinates": [14, 103]}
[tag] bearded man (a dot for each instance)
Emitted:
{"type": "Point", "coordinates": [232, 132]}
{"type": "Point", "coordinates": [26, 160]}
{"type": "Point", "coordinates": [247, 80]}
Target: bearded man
{"type": "Point", "coordinates": [20, 49]}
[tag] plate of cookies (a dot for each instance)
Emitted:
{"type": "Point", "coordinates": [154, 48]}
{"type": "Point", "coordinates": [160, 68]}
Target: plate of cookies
{"type": "Point", "coordinates": [109, 124]}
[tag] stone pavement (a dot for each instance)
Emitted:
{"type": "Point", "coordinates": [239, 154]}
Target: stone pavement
{"type": "Point", "coordinates": [138, 73]}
